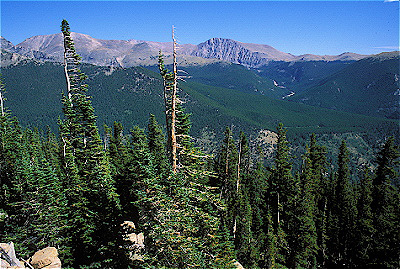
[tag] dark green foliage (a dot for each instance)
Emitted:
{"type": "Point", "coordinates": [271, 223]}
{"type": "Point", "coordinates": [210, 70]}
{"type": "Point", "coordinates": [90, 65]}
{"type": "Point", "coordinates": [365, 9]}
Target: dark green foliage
{"type": "Point", "coordinates": [226, 168]}
{"type": "Point", "coordinates": [121, 157]}
{"type": "Point", "coordinates": [235, 76]}
{"type": "Point", "coordinates": [282, 183]}
{"type": "Point", "coordinates": [31, 195]}
{"type": "Point", "coordinates": [90, 191]}
{"type": "Point", "coordinates": [128, 95]}
{"type": "Point", "coordinates": [256, 186]}
{"type": "Point", "coordinates": [156, 141]}
{"type": "Point", "coordinates": [313, 198]}
{"type": "Point", "coordinates": [344, 213]}
{"type": "Point", "coordinates": [244, 241]}
{"type": "Point", "coordinates": [281, 195]}
{"type": "Point", "coordinates": [365, 226]}
{"type": "Point", "coordinates": [377, 81]}
{"type": "Point", "coordinates": [385, 207]}
{"type": "Point", "coordinates": [301, 75]}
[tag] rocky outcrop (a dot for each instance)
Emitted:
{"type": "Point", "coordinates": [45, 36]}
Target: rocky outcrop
{"type": "Point", "coordinates": [134, 242]}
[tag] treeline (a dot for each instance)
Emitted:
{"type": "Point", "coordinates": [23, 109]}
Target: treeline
{"type": "Point", "coordinates": [74, 190]}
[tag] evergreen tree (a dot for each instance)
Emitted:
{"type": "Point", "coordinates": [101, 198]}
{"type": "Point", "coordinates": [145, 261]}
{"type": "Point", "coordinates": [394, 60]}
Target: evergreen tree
{"type": "Point", "coordinates": [181, 224]}
{"type": "Point", "coordinates": [156, 143]}
{"type": "Point", "coordinates": [365, 229]}
{"type": "Point", "coordinates": [304, 238]}
{"type": "Point", "coordinates": [179, 216]}
{"type": "Point", "coordinates": [245, 243]}
{"type": "Point", "coordinates": [281, 194]}
{"type": "Point", "coordinates": [313, 196]}
{"type": "Point", "coordinates": [88, 185]}
{"type": "Point", "coordinates": [282, 182]}
{"type": "Point", "coordinates": [344, 211]}
{"type": "Point", "coordinates": [117, 150]}
{"type": "Point", "coordinates": [226, 168]}
{"type": "Point", "coordinates": [271, 251]}
{"type": "Point", "coordinates": [33, 199]}
{"type": "Point", "coordinates": [121, 155]}
{"type": "Point", "coordinates": [385, 207]}
{"type": "Point", "coordinates": [256, 185]}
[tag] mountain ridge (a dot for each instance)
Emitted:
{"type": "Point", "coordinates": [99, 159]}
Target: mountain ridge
{"type": "Point", "coordinates": [128, 53]}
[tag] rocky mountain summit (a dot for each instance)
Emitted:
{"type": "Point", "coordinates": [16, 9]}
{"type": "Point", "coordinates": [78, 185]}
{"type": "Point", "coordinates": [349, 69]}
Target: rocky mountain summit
{"type": "Point", "coordinates": [128, 53]}
{"type": "Point", "coordinates": [251, 55]}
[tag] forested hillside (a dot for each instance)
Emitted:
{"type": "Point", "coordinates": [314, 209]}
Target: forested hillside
{"type": "Point", "coordinates": [369, 87]}
{"type": "Point", "coordinates": [72, 188]}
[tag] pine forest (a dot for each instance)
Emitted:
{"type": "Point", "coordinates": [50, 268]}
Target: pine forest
{"type": "Point", "coordinates": [74, 189]}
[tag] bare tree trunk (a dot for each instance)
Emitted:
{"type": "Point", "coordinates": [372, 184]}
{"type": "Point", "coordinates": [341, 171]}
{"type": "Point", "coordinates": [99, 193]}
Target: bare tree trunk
{"type": "Point", "coordinates": [173, 109]}
{"type": "Point", "coordinates": [1, 104]}
{"type": "Point", "coordinates": [234, 229]}
{"type": "Point", "coordinates": [66, 73]}
{"type": "Point", "coordinates": [166, 89]}
{"type": "Point", "coordinates": [226, 168]}
{"type": "Point", "coordinates": [237, 185]}
{"type": "Point", "coordinates": [278, 208]}
{"type": "Point", "coordinates": [238, 167]}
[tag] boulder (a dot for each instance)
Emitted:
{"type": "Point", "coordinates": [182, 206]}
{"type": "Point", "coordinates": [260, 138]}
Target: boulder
{"type": "Point", "coordinates": [46, 258]}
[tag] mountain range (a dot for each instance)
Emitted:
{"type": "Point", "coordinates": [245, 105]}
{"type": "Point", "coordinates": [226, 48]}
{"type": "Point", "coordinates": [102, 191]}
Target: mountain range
{"type": "Point", "coordinates": [128, 53]}
{"type": "Point", "coordinates": [354, 83]}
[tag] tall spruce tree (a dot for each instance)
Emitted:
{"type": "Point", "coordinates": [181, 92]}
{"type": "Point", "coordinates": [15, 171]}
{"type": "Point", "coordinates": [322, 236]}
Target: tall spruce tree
{"type": "Point", "coordinates": [179, 216]}
{"type": "Point", "coordinates": [256, 185]}
{"type": "Point", "coordinates": [182, 154]}
{"type": "Point", "coordinates": [245, 243]}
{"type": "Point", "coordinates": [313, 196]}
{"type": "Point", "coordinates": [342, 236]}
{"type": "Point", "coordinates": [303, 238]}
{"type": "Point", "coordinates": [226, 168]}
{"type": "Point", "coordinates": [281, 194]}
{"type": "Point", "coordinates": [365, 228]}
{"type": "Point", "coordinates": [385, 207]}
{"type": "Point", "coordinates": [88, 185]}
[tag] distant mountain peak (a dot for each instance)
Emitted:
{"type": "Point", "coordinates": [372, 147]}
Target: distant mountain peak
{"type": "Point", "coordinates": [251, 55]}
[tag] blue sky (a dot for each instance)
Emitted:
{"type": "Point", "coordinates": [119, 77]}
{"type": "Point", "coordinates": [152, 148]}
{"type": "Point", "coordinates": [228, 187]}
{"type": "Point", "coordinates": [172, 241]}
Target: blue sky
{"type": "Point", "coordinates": [316, 27]}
